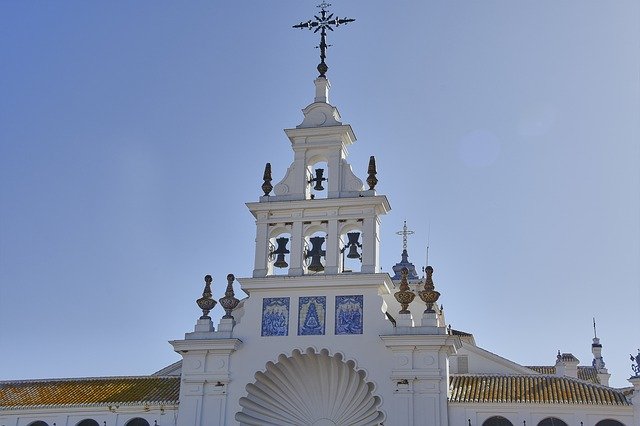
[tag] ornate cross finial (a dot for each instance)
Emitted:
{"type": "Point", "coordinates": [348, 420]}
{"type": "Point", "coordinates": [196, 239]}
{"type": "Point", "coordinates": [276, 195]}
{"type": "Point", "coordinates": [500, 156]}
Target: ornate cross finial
{"type": "Point", "coordinates": [323, 23]}
{"type": "Point", "coordinates": [405, 232]}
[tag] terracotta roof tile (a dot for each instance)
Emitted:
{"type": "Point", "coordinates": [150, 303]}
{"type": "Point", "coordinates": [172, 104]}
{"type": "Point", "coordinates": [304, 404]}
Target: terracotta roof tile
{"type": "Point", "coordinates": [90, 391]}
{"type": "Point", "coordinates": [531, 389]}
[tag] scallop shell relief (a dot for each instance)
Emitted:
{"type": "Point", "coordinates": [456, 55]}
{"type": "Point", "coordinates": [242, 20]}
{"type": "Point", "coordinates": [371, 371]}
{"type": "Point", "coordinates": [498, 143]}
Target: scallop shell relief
{"type": "Point", "coordinates": [313, 389]}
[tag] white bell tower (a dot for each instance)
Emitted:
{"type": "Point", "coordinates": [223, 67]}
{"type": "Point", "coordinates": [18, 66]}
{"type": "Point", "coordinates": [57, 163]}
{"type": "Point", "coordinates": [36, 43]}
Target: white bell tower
{"type": "Point", "coordinates": [317, 219]}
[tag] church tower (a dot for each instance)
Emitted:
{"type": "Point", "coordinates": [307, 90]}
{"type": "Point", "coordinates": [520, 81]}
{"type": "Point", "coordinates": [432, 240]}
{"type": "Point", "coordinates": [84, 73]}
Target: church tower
{"type": "Point", "coordinates": [324, 337]}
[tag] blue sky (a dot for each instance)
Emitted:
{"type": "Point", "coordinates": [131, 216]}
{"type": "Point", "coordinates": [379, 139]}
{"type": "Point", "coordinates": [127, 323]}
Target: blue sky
{"type": "Point", "coordinates": [132, 134]}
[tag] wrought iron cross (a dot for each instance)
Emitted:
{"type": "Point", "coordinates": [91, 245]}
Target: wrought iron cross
{"type": "Point", "coordinates": [405, 232]}
{"type": "Point", "coordinates": [323, 23]}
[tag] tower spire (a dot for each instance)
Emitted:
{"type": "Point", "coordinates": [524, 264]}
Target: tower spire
{"type": "Point", "coordinates": [598, 361]}
{"type": "Point", "coordinates": [323, 23]}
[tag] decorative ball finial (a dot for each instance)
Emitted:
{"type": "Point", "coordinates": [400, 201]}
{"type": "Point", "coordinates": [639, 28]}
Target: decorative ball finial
{"type": "Point", "coordinates": [266, 186]}
{"type": "Point", "coordinates": [372, 181]}
{"type": "Point", "coordinates": [405, 296]}
{"type": "Point", "coordinates": [206, 302]}
{"type": "Point", "coordinates": [229, 302]}
{"type": "Point", "coordinates": [429, 296]}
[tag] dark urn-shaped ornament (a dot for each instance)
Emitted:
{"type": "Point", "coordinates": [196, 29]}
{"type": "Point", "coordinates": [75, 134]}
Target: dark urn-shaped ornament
{"type": "Point", "coordinates": [266, 186]}
{"type": "Point", "coordinates": [372, 181]}
{"type": "Point", "coordinates": [429, 296]}
{"type": "Point", "coordinates": [229, 302]}
{"type": "Point", "coordinates": [206, 302]}
{"type": "Point", "coordinates": [405, 296]}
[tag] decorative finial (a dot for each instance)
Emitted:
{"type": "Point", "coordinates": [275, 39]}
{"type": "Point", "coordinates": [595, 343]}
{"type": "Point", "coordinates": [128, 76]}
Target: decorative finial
{"type": "Point", "coordinates": [405, 233]}
{"type": "Point", "coordinates": [322, 23]}
{"type": "Point", "coordinates": [636, 366]}
{"type": "Point", "coordinates": [206, 302]}
{"type": "Point", "coordinates": [229, 302]}
{"type": "Point", "coordinates": [429, 296]}
{"type": "Point", "coordinates": [405, 296]}
{"type": "Point", "coordinates": [266, 186]}
{"type": "Point", "coordinates": [595, 333]}
{"type": "Point", "coordinates": [372, 181]}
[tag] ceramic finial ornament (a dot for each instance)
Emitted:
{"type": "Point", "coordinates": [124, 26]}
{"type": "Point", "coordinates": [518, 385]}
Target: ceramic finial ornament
{"type": "Point", "coordinates": [206, 302]}
{"type": "Point", "coordinates": [229, 302]}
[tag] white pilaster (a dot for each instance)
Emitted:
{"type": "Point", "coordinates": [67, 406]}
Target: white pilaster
{"type": "Point", "coordinates": [204, 380]}
{"type": "Point", "coordinates": [333, 248]}
{"type": "Point", "coordinates": [421, 371]}
{"type": "Point", "coordinates": [296, 258]}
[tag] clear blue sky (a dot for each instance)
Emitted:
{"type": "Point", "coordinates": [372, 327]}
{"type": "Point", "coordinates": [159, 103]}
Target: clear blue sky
{"type": "Point", "coordinates": [132, 134]}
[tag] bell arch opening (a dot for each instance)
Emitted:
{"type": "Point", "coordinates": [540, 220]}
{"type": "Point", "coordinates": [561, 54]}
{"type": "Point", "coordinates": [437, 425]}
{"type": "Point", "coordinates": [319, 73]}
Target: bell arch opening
{"type": "Point", "coordinates": [311, 388]}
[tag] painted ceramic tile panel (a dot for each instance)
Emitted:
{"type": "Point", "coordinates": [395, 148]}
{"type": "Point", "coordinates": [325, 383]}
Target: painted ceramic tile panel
{"type": "Point", "coordinates": [311, 315]}
{"type": "Point", "coordinates": [349, 314]}
{"type": "Point", "coordinates": [275, 316]}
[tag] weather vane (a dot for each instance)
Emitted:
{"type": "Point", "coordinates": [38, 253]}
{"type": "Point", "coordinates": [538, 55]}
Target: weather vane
{"type": "Point", "coordinates": [323, 23]}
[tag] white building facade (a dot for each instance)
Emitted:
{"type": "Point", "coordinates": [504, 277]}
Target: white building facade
{"type": "Point", "coordinates": [325, 338]}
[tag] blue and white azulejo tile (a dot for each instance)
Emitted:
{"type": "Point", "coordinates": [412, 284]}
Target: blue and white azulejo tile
{"type": "Point", "coordinates": [275, 316]}
{"type": "Point", "coordinates": [311, 315]}
{"type": "Point", "coordinates": [349, 314]}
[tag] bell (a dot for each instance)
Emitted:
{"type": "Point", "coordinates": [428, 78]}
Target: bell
{"type": "Point", "coordinates": [353, 245]}
{"type": "Point", "coordinates": [318, 180]}
{"type": "Point", "coordinates": [353, 253]}
{"type": "Point", "coordinates": [315, 254]}
{"type": "Point", "coordinates": [280, 252]}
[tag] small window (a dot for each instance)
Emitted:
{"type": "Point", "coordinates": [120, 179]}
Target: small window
{"type": "Point", "coordinates": [137, 422]}
{"type": "Point", "coordinates": [552, 421]}
{"type": "Point", "coordinates": [497, 421]}
{"type": "Point", "coordinates": [88, 422]}
{"type": "Point", "coordinates": [609, 422]}
{"type": "Point", "coordinates": [463, 364]}
{"type": "Point", "coordinates": [39, 423]}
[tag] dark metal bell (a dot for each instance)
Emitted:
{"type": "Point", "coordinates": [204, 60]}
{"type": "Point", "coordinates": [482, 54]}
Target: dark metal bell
{"type": "Point", "coordinates": [280, 252]}
{"type": "Point", "coordinates": [318, 180]}
{"type": "Point", "coordinates": [280, 262]}
{"type": "Point", "coordinates": [316, 253]}
{"type": "Point", "coordinates": [353, 245]}
{"type": "Point", "coordinates": [353, 253]}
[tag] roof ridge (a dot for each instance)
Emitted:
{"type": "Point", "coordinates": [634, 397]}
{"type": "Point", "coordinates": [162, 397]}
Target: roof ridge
{"type": "Point", "coordinates": [80, 379]}
{"type": "Point", "coordinates": [575, 379]}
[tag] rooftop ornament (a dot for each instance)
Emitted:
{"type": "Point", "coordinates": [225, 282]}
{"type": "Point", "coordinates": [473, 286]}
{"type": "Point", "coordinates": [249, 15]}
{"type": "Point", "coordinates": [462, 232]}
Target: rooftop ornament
{"type": "Point", "coordinates": [229, 302]}
{"type": "Point", "coordinates": [405, 233]}
{"type": "Point", "coordinates": [635, 366]}
{"type": "Point", "coordinates": [405, 296]}
{"type": "Point", "coordinates": [429, 296]}
{"type": "Point", "coordinates": [323, 23]}
{"type": "Point", "coordinates": [206, 302]}
{"type": "Point", "coordinates": [372, 181]}
{"type": "Point", "coordinates": [266, 186]}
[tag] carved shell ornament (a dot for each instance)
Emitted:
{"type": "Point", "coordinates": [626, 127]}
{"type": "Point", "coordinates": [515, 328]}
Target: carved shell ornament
{"type": "Point", "coordinates": [313, 389]}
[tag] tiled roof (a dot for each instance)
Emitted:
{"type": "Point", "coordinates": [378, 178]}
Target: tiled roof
{"type": "Point", "coordinates": [588, 373]}
{"type": "Point", "coordinates": [568, 357]}
{"type": "Point", "coordinates": [531, 389]}
{"type": "Point", "coordinates": [90, 391]}
{"type": "Point", "coordinates": [460, 333]}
